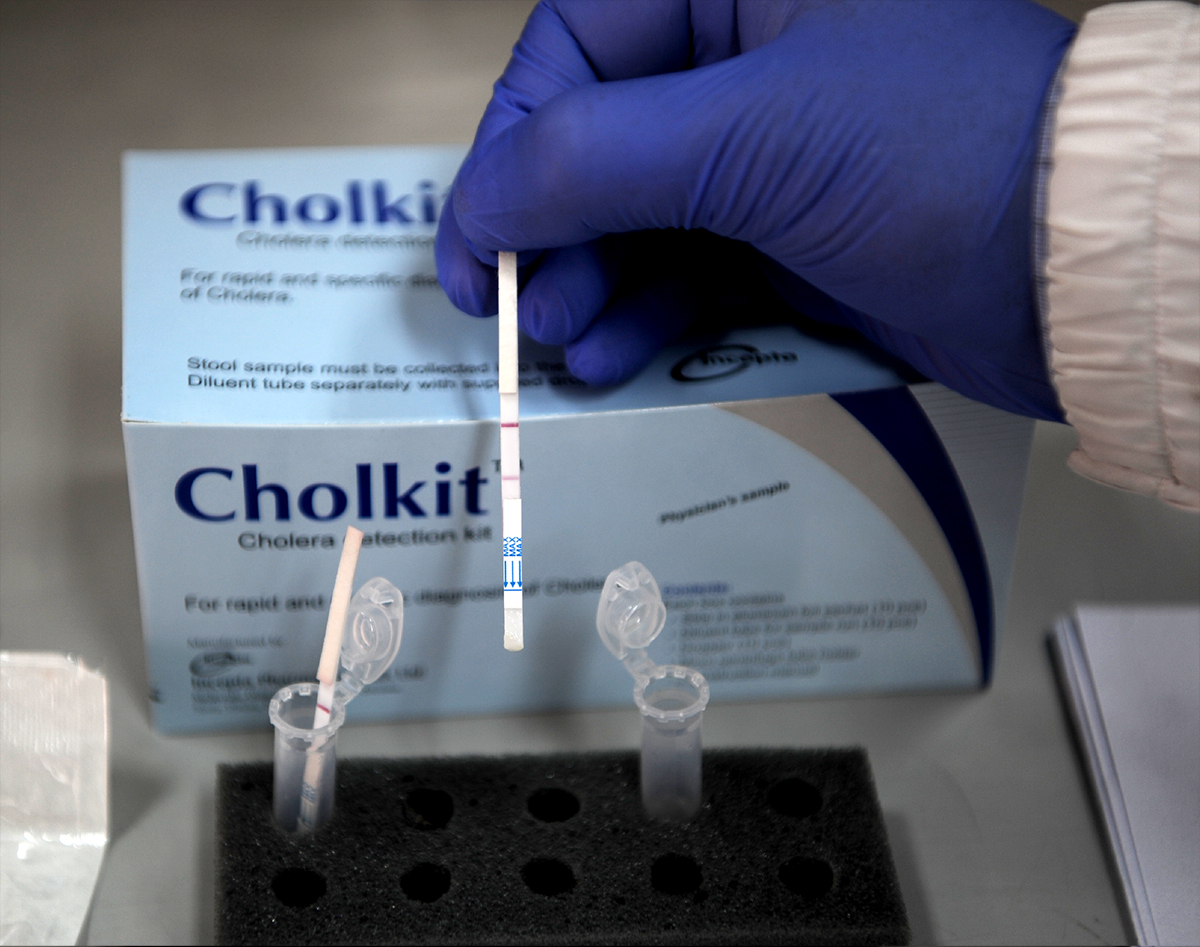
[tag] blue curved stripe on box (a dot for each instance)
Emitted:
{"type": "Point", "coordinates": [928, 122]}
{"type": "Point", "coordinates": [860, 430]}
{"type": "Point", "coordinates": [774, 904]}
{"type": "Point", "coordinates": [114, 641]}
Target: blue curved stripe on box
{"type": "Point", "coordinates": [895, 419]}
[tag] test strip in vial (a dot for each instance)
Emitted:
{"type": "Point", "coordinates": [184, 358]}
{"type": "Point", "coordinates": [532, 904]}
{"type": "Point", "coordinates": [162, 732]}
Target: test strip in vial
{"type": "Point", "coordinates": [510, 457]}
{"type": "Point", "coordinates": [327, 672]}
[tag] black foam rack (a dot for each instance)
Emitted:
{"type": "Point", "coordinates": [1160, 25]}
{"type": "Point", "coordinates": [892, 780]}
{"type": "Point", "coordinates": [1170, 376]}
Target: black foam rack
{"type": "Point", "coordinates": [789, 848]}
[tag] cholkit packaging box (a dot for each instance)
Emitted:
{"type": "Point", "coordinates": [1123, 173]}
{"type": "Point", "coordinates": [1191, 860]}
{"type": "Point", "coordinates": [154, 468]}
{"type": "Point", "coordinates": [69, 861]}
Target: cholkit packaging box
{"type": "Point", "coordinates": [291, 366]}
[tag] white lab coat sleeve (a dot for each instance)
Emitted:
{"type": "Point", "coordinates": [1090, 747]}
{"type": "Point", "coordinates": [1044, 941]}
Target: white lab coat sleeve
{"type": "Point", "coordinates": [1123, 267]}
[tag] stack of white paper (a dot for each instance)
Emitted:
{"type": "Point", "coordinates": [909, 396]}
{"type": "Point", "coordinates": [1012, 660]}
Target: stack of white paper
{"type": "Point", "coordinates": [1133, 678]}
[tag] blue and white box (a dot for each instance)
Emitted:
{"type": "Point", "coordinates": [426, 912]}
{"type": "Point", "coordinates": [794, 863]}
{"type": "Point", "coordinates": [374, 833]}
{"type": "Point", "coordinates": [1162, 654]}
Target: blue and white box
{"type": "Point", "coordinates": [291, 366]}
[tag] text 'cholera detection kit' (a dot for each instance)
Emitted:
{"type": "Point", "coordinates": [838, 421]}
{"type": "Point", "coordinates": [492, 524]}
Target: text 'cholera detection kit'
{"type": "Point", "coordinates": [292, 366]}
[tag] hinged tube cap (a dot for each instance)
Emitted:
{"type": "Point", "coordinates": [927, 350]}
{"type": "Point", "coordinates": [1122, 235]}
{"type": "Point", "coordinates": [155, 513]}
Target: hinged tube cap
{"type": "Point", "coordinates": [374, 626]}
{"type": "Point", "coordinates": [631, 611]}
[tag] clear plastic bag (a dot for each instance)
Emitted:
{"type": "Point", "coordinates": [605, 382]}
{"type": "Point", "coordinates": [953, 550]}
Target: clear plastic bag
{"type": "Point", "coordinates": [53, 794]}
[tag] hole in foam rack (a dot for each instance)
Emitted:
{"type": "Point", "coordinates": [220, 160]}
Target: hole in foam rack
{"type": "Point", "coordinates": [428, 808]}
{"type": "Point", "coordinates": [425, 882]}
{"type": "Point", "coordinates": [552, 805]}
{"type": "Point", "coordinates": [675, 874]}
{"type": "Point", "coordinates": [298, 887]}
{"type": "Point", "coordinates": [548, 876]}
{"type": "Point", "coordinates": [794, 797]}
{"type": "Point", "coordinates": [810, 878]}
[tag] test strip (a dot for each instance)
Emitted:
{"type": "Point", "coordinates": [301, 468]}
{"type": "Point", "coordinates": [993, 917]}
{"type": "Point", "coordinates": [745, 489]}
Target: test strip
{"type": "Point", "coordinates": [510, 457]}
{"type": "Point", "coordinates": [327, 670]}
{"type": "Point", "coordinates": [335, 625]}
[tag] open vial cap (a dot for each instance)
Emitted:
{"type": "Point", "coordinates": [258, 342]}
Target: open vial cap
{"type": "Point", "coordinates": [374, 625]}
{"type": "Point", "coordinates": [631, 611]}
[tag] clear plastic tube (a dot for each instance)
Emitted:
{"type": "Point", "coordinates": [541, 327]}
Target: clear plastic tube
{"type": "Point", "coordinates": [304, 756]}
{"type": "Point", "coordinates": [672, 701]}
{"type": "Point", "coordinates": [671, 698]}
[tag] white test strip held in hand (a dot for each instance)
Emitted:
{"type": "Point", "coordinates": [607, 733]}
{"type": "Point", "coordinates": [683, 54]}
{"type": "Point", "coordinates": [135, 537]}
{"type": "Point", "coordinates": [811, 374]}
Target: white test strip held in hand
{"type": "Point", "coordinates": [510, 457]}
{"type": "Point", "coordinates": [327, 670]}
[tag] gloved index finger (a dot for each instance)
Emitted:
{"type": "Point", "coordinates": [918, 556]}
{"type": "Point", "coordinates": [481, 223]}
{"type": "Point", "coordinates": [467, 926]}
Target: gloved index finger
{"type": "Point", "coordinates": [568, 43]}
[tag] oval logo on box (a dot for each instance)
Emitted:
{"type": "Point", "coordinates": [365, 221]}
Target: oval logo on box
{"type": "Point", "coordinates": [212, 663]}
{"type": "Point", "coordinates": [721, 361]}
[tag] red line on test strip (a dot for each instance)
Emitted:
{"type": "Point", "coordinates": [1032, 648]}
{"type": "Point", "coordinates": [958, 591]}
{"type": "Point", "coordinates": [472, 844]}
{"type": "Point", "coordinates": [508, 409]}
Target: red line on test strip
{"type": "Point", "coordinates": [324, 708]}
{"type": "Point", "coordinates": [510, 424]}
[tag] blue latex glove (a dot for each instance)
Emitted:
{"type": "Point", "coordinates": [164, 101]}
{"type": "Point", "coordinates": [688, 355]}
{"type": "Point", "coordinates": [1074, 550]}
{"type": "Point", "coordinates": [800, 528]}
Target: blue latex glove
{"type": "Point", "coordinates": [871, 163]}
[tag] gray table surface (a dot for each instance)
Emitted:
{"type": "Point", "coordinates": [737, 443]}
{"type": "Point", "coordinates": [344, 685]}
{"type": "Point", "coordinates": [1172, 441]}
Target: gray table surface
{"type": "Point", "coordinates": [985, 802]}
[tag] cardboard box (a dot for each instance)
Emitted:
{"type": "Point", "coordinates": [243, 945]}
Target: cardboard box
{"type": "Point", "coordinates": [291, 366]}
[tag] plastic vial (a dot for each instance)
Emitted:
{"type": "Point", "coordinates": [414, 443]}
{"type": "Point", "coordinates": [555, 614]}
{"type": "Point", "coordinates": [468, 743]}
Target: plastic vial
{"type": "Point", "coordinates": [671, 698]}
{"type": "Point", "coordinates": [297, 747]}
{"type": "Point", "coordinates": [672, 701]}
{"type": "Point", "coordinates": [305, 757]}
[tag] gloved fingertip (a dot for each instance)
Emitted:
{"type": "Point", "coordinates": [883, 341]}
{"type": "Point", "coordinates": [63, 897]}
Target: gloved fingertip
{"type": "Point", "coordinates": [491, 257]}
{"type": "Point", "coordinates": [534, 322]}
{"type": "Point", "coordinates": [470, 285]}
{"type": "Point", "coordinates": [598, 366]}
{"type": "Point", "coordinates": [612, 350]}
{"type": "Point", "coordinates": [566, 292]}
{"type": "Point", "coordinates": [630, 332]}
{"type": "Point", "coordinates": [479, 298]}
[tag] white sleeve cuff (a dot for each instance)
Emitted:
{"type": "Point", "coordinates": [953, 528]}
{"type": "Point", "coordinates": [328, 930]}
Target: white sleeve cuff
{"type": "Point", "coordinates": [1123, 272]}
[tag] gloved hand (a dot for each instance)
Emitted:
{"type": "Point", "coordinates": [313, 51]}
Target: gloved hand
{"type": "Point", "coordinates": [871, 163]}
